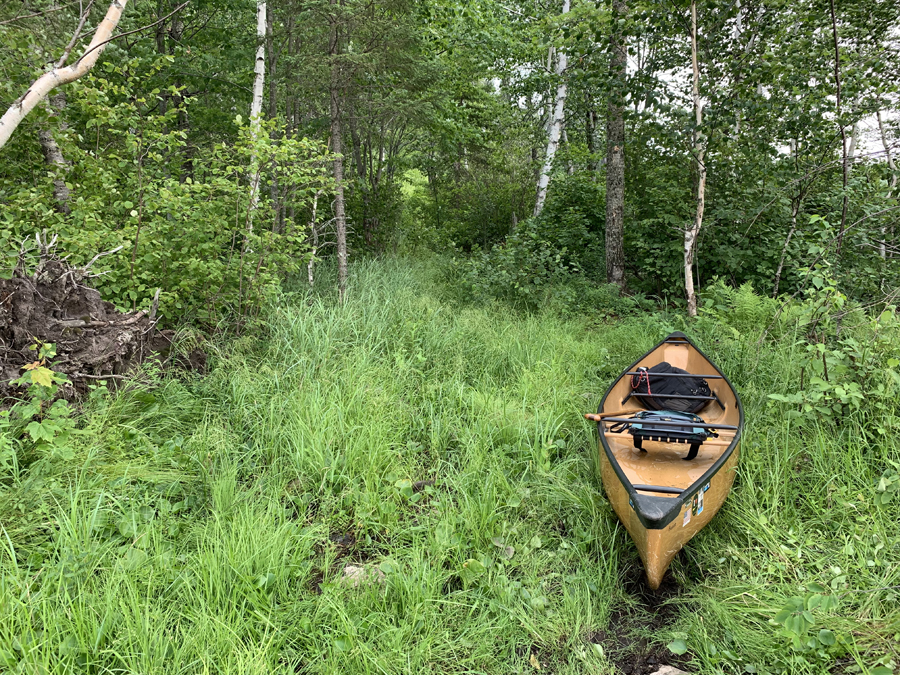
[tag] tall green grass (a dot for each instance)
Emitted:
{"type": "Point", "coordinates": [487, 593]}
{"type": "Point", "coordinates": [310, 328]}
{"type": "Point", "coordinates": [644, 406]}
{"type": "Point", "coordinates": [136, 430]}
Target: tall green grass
{"type": "Point", "coordinates": [205, 523]}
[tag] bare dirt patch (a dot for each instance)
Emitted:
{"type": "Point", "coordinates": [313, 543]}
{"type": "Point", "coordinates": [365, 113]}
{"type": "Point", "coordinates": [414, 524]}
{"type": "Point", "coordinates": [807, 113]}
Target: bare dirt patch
{"type": "Point", "coordinates": [628, 640]}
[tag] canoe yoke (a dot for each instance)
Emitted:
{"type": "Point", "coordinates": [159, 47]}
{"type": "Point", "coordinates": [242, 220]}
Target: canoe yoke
{"type": "Point", "coordinates": [695, 433]}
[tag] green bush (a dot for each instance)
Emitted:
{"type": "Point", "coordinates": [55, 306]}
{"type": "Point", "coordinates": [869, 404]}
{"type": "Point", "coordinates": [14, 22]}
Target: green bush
{"type": "Point", "coordinates": [185, 226]}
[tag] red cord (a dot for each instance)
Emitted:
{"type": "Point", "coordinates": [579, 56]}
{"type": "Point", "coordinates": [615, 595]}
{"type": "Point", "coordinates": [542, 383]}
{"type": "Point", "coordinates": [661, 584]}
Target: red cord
{"type": "Point", "coordinates": [643, 374]}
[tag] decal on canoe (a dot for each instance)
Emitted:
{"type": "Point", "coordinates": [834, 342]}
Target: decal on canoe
{"type": "Point", "coordinates": [694, 506]}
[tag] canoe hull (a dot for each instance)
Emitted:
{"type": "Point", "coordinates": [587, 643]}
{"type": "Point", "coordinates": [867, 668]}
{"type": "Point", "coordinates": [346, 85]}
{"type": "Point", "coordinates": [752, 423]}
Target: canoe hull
{"type": "Point", "coordinates": [657, 548]}
{"type": "Point", "coordinates": [663, 500]}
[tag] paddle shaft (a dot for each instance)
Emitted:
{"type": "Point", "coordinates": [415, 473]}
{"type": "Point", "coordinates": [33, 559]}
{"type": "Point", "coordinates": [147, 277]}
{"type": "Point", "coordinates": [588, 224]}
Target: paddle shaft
{"type": "Point", "coordinates": [596, 418]}
{"type": "Point", "coordinates": [663, 423]}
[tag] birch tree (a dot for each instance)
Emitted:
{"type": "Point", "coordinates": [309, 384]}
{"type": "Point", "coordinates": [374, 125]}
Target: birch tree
{"type": "Point", "coordinates": [58, 76]}
{"type": "Point", "coordinates": [335, 85]}
{"type": "Point", "coordinates": [557, 117]}
{"type": "Point", "coordinates": [259, 81]}
{"type": "Point", "coordinates": [845, 166]}
{"type": "Point", "coordinates": [882, 246]}
{"type": "Point", "coordinates": [693, 231]}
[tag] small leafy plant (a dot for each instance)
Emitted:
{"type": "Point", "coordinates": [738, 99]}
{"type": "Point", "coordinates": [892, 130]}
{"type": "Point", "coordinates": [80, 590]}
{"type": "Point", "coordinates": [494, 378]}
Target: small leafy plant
{"type": "Point", "coordinates": [42, 424]}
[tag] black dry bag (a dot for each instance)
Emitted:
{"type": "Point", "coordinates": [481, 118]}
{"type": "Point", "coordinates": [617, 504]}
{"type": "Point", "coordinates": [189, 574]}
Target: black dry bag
{"type": "Point", "coordinates": [660, 388]}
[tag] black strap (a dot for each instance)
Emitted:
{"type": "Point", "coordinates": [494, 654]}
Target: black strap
{"type": "Point", "coordinates": [692, 453]}
{"type": "Point", "coordinates": [639, 443]}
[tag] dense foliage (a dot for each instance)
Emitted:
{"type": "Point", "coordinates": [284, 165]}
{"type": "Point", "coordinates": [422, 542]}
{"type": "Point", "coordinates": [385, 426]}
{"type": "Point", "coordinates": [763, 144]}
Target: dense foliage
{"type": "Point", "coordinates": [443, 111]}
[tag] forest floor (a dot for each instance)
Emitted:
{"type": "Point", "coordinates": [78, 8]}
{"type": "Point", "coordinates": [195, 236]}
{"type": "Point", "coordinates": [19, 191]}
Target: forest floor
{"type": "Point", "coordinates": [209, 524]}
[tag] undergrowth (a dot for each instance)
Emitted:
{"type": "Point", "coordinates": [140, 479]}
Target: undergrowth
{"type": "Point", "coordinates": [206, 525]}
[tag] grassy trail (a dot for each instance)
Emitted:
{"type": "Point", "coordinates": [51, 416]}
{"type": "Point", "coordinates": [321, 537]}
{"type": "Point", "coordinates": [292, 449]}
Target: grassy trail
{"type": "Point", "coordinates": [204, 526]}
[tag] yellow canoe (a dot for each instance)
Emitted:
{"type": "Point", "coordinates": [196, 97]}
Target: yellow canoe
{"type": "Point", "coordinates": [662, 499]}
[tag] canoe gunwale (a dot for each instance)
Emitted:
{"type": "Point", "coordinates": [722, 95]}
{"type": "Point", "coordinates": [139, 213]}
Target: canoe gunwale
{"type": "Point", "coordinates": [677, 502]}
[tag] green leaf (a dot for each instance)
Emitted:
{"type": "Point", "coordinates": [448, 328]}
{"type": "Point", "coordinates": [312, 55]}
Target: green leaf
{"type": "Point", "coordinates": [678, 646]}
{"type": "Point", "coordinates": [133, 559]}
{"type": "Point", "coordinates": [474, 566]}
{"type": "Point", "coordinates": [42, 376]}
{"type": "Point", "coordinates": [783, 616]}
{"type": "Point", "coordinates": [816, 588]}
{"type": "Point", "coordinates": [266, 581]}
{"type": "Point", "coordinates": [388, 567]}
{"type": "Point", "coordinates": [41, 431]}
{"type": "Point", "coordinates": [826, 637]}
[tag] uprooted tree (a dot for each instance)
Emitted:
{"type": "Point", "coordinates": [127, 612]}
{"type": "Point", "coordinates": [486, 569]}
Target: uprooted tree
{"type": "Point", "coordinates": [54, 304]}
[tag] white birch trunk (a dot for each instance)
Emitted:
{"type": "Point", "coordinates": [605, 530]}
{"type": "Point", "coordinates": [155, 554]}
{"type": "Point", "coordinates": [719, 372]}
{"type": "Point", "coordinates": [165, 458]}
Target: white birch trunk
{"type": "Point", "coordinates": [795, 209]}
{"type": "Point", "coordinates": [851, 153]}
{"type": "Point", "coordinates": [314, 239]}
{"type": "Point", "coordinates": [259, 82]}
{"type": "Point", "coordinates": [882, 247]}
{"type": "Point", "coordinates": [53, 155]}
{"type": "Point", "coordinates": [59, 76]}
{"type": "Point", "coordinates": [556, 122]}
{"type": "Point", "coordinates": [691, 233]}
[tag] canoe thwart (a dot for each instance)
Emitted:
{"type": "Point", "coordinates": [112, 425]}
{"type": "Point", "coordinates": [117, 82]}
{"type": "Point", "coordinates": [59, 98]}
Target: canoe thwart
{"type": "Point", "coordinates": [703, 398]}
{"type": "Point", "coordinates": [680, 425]}
{"type": "Point", "coordinates": [659, 488]}
{"type": "Point", "coordinates": [703, 377]}
{"type": "Point", "coordinates": [597, 418]}
{"type": "Point", "coordinates": [723, 442]}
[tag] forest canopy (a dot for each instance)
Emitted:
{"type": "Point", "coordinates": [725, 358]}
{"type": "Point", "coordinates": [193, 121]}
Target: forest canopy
{"type": "Point", "coordinates": [224, 144]}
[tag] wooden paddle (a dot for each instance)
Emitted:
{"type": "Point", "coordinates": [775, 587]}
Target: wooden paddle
{"type": "Point", "coordinates": [596, 418]}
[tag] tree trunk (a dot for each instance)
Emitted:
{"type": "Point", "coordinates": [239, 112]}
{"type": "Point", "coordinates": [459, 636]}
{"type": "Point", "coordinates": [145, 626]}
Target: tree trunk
{"type": "Point", "coordinates": [339, 215]}
{"type": "Point", "coordinates": [882, 247]}
{"type": "Point", "coordinates": [59, 76]}
{"type": "Point", "coordinates": [570, 165]}
{"type": "Point", "coordinates": [54, 157]}
{"type": "Point", "coordinates": [273, 57]}
{"type": "Point", "coordinates": [692, 233]}
{"type": "Point", "coordinates": [590, 130]}
{"type": "Point", "coordinates": [314, 238]}
{"type": "Point", "coordinates": [795, 208]}
{"type": "Point", "coordinates": [844, 163]}
{"type": "Point", "coordinates": [259, 81]}
{"type": "Point", "coordinates": [615, 153]}
{"type": "Point", "coordinates": [555, 127]}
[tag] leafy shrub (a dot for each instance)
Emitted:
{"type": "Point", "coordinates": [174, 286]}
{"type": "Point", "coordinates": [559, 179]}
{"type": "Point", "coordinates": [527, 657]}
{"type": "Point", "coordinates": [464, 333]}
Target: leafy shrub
{"type": "Point", "coordinates": [40, 426]}
{"type": "Point", "coordinates": [849, 356]}
{"type": "Point", "coordinates": [188, 227]}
